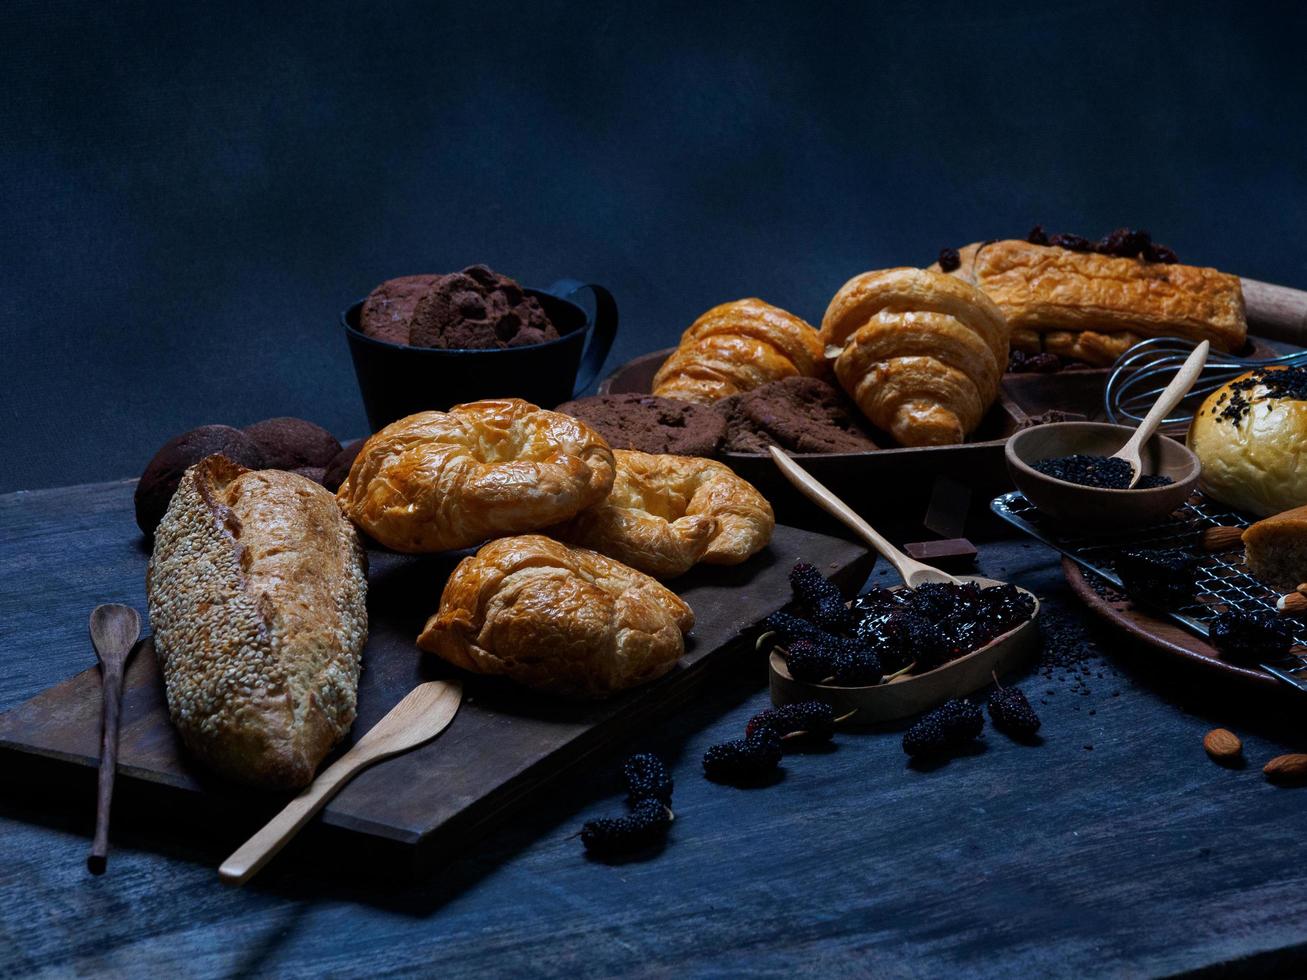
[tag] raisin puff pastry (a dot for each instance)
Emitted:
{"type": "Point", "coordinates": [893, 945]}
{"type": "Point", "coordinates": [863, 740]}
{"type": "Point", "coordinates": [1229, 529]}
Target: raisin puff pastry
{"type": "Point", "coordinates": [668, 513]}
{"type": "Point", "coordinates": [562, 620]}
{"type": "Point", "coordinates": [1053, 292]}
{"type": "Point", "coordinates": [922, 353]}
{"type": "Point", "coordinates": [436, 481]}
{"type": "Point", "coordinates": [258, 598]}
{"type": "Point", "coordinates": [735, 347]}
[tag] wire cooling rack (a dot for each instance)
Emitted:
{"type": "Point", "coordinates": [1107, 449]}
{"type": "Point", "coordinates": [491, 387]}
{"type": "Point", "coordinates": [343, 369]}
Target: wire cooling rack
{"type": "Point", "coordinates": [1223, 579]}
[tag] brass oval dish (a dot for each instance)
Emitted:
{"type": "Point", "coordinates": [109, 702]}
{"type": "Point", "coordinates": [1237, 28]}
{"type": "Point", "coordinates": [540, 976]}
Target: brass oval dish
{"type": "Point", "coordinates": [908, 694]}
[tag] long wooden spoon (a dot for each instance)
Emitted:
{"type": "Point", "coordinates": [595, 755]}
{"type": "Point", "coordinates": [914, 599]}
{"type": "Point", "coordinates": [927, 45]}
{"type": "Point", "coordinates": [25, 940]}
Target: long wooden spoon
{"type": "Point", "coordinates": [114, 632]}
{"type": "Point", "coordinates": [1169, 398]}
{"type": "Point", "coordinates": [912, 572]}
{"type": "Point", "coordinates": [422, 715]}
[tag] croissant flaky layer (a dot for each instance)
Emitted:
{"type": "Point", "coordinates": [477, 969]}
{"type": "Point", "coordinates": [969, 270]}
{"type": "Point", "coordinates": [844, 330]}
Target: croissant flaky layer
{"type": "Point", "coordinates": [735, 347]}
{"type": "Point", "coordinates": [668, 513]}
{"type": "Point", "coordinates": [563, 620]}
{"type": "Point", "coordinates": [442, 480]}
{"type": "Point", "coordinates": [1045, 288]}
{"type": "Point", "coordinates": [921, 353]}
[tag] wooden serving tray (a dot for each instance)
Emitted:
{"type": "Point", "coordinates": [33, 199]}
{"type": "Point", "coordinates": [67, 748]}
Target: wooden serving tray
{"type": "Point", "coordinates": [503, 745]}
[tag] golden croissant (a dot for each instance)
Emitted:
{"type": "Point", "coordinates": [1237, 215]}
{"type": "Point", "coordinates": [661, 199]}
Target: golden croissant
{"type": "Point", "coordinates": [735, 347]}
{"type": "Point", "coordinates": [442, 480]}
{"type": "Point", "coordinates": [562, 620]}
{"type": "Point", "coordinates": [668, 513]}
{"type": "Point", "coordinates": [922, 353]}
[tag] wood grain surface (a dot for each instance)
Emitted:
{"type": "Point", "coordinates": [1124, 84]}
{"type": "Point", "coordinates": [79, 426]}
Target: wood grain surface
{"type": "Point", "coordinates": [1136, 857]}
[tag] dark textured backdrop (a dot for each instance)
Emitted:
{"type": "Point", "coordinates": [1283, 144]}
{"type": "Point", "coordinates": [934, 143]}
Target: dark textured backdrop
{"type": "Point", "coordinates": [190, 195]}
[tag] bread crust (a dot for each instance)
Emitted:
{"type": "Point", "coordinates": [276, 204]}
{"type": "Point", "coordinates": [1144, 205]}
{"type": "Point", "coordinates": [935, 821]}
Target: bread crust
{"type": "Point", "coordinates": [1276, 549]}
{"type": "Point", "coordinates": [257, 594]}
{"type": "Point", "coordinates": [436, 481]}
{"type": "Point", "coordinates": [566, 621]}
{"type": "Point", "coordinates": [1046, 288]}
{"type": "Point", "coordinates": [738, 346]}
{"type": "Point", "coordinates": [921, 353]}
{"type": "Point", "coordinates": [1254, 464]}
{"type": "Point", "coordinates": [666, 514]}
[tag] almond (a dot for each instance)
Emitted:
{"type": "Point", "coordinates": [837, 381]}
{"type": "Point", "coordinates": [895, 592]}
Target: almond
{"type": "Point", "coordinates": [1220, 538]}
{"type": "Point", "coordinates": [1222, 744]}
{"type": "Point", "coordinates": [1289, 768]}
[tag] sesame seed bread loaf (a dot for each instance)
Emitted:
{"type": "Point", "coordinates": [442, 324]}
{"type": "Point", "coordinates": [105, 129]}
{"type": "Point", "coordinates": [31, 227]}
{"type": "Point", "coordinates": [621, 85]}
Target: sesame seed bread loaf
{"type": "Point", "coordinates": [257, 595]}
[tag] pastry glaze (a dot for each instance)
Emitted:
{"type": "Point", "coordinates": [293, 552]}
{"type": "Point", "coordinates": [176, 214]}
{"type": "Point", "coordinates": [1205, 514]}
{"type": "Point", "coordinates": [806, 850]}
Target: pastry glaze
{"type": "Point", "coordinates": [667, 513]}
{"type": "Point", "coordinates": [735, 347]}
{"type": "Point", "coordinates": [442, 480]}
{"type": "Point", "coordinates": [258, 600]}
{"type": "Point", "coordinates": [1044, 288]}
{"type": "Point", "coordinates": [921, 353]}
{"type": "Point", "coordinates": [562, 620]}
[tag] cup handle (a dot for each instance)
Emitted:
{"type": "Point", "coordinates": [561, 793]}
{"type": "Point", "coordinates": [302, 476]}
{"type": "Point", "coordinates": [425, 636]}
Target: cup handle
{"type": "Point", "coordinates": [605, 329]}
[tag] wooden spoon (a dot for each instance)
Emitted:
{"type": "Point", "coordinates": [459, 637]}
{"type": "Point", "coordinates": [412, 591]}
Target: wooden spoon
{"type": "Point", "coordinates": [1169, 398]}
{"type": "Point", "coordinates": [422, 715]}
{"type": "Point", "coordinates": [114, 632]}
{"type": "Point", "coordinates": [913, 572]}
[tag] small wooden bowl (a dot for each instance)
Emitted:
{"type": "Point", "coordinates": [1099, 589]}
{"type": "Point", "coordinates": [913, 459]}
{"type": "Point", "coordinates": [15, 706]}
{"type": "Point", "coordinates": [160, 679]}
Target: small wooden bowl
{"type": "Point", "coordinates": [1093, 507]}
{"type": "Point", "coordinates": [912, 694]}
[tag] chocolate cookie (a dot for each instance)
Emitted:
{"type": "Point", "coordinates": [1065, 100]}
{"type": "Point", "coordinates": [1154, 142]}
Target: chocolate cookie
{"type": "Point", "coordinates": [389, 308]}
{"type": "Point", "coordinates": [650, 424]}
{"type": "Point", "coordinates": [164, 471]}
{"type": "Point", "coordinates": [478, 309]}
{"type": "Point", "coordinates": [803, 415]}
{"type": "Point", "coordinates": [339, 467]}
{"type": "Point", "coordinates": [291, 443]}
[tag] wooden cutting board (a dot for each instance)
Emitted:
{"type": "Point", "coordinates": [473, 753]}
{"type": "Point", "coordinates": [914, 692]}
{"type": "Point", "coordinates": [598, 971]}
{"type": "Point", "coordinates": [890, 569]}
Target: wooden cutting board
{"type": "Point", "coordinates": [503, 745]}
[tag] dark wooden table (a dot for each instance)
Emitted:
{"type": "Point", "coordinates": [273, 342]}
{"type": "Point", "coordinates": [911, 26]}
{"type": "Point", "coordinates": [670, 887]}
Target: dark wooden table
{"type": "Point", "coordinates": [1114, 848]}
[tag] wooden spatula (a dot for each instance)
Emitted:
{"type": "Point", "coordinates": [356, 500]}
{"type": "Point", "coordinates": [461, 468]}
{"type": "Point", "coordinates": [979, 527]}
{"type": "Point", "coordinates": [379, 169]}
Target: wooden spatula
{"type": "Point", "coordinates": [422, 715]}
{"type": "Point", "coordinates": [912, 572]}
{"type": "Point", "coordinates": [114, 632]}
{"type": "Point", "coordinates": [1170, 397]}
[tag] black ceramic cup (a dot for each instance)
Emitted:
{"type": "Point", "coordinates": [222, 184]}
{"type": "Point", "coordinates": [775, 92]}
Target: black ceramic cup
{"type": "Point", "coordinates": [396, 380]}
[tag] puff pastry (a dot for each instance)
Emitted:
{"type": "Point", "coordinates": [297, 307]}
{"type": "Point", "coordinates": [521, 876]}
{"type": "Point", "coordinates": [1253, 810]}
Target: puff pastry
{"type": "Point", "coordinates": [258, 600]}
{"type": "Point", "coordinates": [666, 514]}
{"type": "Point", "coordinates": [562, 620]}
{"type": "Point", "coordinates": [442, 480]}
{"type": "Point", "coordinates": [922, 353]}
{"type": "Point", "coordinates": [1047, 288]}
{"type": "Point", "coordinates": [735, 347]}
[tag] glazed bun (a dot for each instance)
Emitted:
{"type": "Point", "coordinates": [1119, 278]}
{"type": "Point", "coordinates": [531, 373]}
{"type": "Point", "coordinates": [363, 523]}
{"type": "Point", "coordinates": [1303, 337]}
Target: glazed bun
{"type": "Point", "coordinates": [1249, 435]}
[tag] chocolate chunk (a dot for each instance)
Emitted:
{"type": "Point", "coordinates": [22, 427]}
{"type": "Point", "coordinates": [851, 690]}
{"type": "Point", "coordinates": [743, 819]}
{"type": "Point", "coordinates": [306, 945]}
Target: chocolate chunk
{"type": "Point", "coordinates": [650, 424]}
{"type": "Point", "coordinates": [162, 474]}
{"type": "Point", "coordinates": [291, 443]}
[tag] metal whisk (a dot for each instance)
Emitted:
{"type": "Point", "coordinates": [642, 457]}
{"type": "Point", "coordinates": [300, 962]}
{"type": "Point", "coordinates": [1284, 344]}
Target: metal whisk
{"type": "Point", "coordinates": [1139, 375]}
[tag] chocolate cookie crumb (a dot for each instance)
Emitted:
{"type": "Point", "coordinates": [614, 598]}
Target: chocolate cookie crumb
{"type": "Point", "coordinates": [650, 424]}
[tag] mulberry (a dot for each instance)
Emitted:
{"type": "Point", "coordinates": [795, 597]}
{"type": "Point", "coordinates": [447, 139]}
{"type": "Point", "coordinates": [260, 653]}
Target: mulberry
{"type": "Point", "coordinates": [1012, 714]}
{"type": "Point", "coordinates": [820, 599]}
{"type": "Point", "coordinates": [947, 728]}
{"type": "Point", "coordinates": [810, 719]}
{"type": "Point", "coordinates": [613, 836]}
{"type": "Point", "coordinates": [1164, 577]}
{"type": "Point", "coordinates": [745, 760]}
{"type": "Point", "coordinates": [647, 778]}
{"type": "Point", "coordinates": [1250, 636]}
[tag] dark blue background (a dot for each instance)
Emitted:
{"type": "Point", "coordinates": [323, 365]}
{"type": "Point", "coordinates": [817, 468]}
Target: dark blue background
{"type": "Point", "coordinates": [190, 196]}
